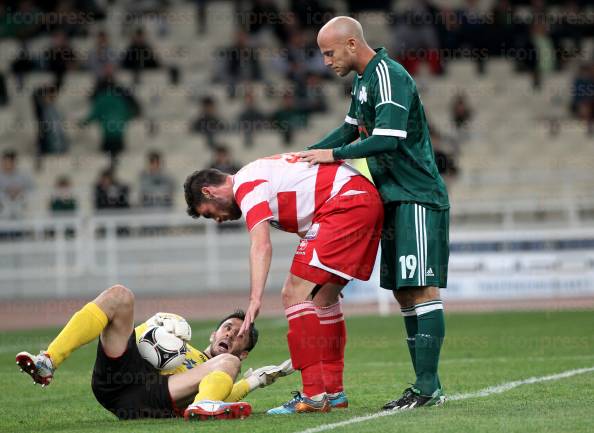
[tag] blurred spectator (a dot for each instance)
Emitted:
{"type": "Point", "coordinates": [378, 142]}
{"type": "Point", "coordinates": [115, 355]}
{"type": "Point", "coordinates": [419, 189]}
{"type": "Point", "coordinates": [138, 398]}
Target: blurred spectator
{"type": "Point", "coordinates": [64, 12]}
{"type": "Point", "coordinates": [289, 118]}
{"type": "Point", "coordinates": [264, 16]}
{"type": "Point", "coordinates": [545, 52]}
{"type": "Point", "coordinates": [582, 87]}
{"type": "Point", "coordinates": [312, 14]}
{"type": "Point", "coordinates": [461, 112]}
{"type": "Point", "coordinates": [474, 32]}
{"type": "Point", "coordinates": [51, 136]}
{"type": "Point", "coordinates": [302, 58]}
{"type": "Point", "coordinates": [63, 199]}
{"type": "Point", "coordinates": [208, 123]}
{"type": "Point", "coordinates": [582, 103]}
{"type": "Point", "coordinates": [297, 57]}
{"type": "Point", "coordinates": [201, 21]}
{"type": "Point", "coordinates": [102, 55]}
{"type": "Point", "coordinates": [156, 187]}
{"type": "Point", "coordinates": [109, 193]}
{"type": "Point", "coordinates": [223, 161]}
{"type": "Point", "coordinates": [3, 90]}
{"type": "Point", "coordinates": [250, 120]}
{"type": "Point", "coordinates": [310, 97]}
{"type": "Point", "coordinates": [446, 151]}
{"type": "Point", "coordinates": [139, 55]}
{"type": "Point", "coordinates": [503, 31]}
{"type": "Point", "coordinates": [14, 187]}
{"type": "Point", "coordinates": [59, 57]}
{"type": "Point", "coordinates": [21, 23]}
{"type": "Point", "coordinates": [22, 65]}
{"type": "Point", "coordinates": [112, 106]}
{"type": "Point", "coordinates": [415, 39]}
{"type": "Point", "coordinates": [538, 53]}
{"type": "Point", "coordinates": [566, 34]}
{"type": "Point", "coordinates": [238, 63]}
{"type": "Point", "coordinates": [138, 11]}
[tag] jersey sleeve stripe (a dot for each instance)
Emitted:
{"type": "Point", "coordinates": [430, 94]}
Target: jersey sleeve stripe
{"type": "Point", "coordinates": [257, 214]}
{"type": "Point", "coordinates": [245, 188]}
{"type": "Point", "coordinates": [388, 84]}
{"type": "Point", "coordinates": [393, 103]}
{"type": "Point", "coordinates": [348, 119]}
{"type": "Point", "coordinates": [380, 81]}
{"type": "Point", "coordinates": [287, 211]}
{"type": "Point", "coordinates": [389, 132]}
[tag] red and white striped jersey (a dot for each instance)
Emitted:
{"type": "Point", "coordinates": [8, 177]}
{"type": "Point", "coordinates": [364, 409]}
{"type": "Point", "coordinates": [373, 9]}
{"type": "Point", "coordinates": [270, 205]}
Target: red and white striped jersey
{"type": "Point", "coordinates": [286, 191]}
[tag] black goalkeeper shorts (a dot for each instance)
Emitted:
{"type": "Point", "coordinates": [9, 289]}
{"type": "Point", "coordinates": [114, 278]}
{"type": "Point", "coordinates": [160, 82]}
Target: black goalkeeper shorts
{"type": "Point", "coordinates": [129, 386]}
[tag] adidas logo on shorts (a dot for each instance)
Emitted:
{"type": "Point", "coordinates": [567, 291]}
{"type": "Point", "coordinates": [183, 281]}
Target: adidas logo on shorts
{"type": "Point", "coordinates": [429, 273]}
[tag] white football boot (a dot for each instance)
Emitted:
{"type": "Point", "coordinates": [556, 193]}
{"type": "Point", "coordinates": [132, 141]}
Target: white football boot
{"type": "Point", "coordinates": [39, 367]}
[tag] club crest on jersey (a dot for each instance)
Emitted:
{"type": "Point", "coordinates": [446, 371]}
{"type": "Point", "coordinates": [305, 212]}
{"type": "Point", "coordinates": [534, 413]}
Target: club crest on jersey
{"type": "Point", "coordinates": [312, 233]}
{"type": "Point", "coordinates": [302, 245]}
{"type": "Point", "coordinates": [363, 95]}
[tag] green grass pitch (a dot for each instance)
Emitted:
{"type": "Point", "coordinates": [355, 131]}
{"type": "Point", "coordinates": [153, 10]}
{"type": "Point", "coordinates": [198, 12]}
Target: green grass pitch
{"type": "Point", "coordinates": [481, 350]}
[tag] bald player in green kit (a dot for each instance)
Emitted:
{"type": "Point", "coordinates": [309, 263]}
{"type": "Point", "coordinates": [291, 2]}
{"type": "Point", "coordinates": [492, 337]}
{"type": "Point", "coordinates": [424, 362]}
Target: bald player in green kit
{"type": "Point", "coordinates": [387, 116]}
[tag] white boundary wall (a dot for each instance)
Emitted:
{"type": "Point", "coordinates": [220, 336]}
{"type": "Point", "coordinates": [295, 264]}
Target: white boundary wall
{"type": "Point", "coordinates": [184, 256]}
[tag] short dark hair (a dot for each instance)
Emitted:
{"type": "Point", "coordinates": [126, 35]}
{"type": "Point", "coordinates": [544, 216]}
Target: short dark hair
{"type": "Point", "coordinates": [207, 100]}
{"type": "Point", "coordinates": [240, 314]}
{"type": "Point", "coordinates": [9, 154]}
{"type": "Point", "coordinates": [153, 156]}
{"type": "Point", "coordinates": [221, 148]}
{"type": "Point", "coordinates": [194, 184]}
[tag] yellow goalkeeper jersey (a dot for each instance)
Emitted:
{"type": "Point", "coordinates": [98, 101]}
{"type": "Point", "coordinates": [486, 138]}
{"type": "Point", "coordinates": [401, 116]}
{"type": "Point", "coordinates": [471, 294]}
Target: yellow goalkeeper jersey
{"type": "Point", "coordinates": [193, 356]}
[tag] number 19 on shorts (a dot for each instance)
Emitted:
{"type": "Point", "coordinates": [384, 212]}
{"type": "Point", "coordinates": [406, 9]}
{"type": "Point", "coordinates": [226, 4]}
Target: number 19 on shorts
{"type": "Point", "coordinates": [408, 264]}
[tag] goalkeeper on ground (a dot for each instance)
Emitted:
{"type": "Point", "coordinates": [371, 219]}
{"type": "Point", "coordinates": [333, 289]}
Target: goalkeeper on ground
{"type": "Point", "coordinates": [130, 387]}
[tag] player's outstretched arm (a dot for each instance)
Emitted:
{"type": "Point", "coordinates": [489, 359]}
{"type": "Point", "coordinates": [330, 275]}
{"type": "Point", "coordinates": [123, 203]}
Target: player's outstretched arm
{"type": "Point", "coordinates": [372, 145]}
{"type": "Point", "coordinates": [260, 258]}
{"type": "Point", "coordinates": [340, 136]}
{"type": "Point", "coordinates": [259, 378]}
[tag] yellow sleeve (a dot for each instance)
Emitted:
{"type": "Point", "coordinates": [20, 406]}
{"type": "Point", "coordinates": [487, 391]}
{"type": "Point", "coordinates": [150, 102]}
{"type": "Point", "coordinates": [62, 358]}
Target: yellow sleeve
{"type": "Point", "coordinates": [140, 330]}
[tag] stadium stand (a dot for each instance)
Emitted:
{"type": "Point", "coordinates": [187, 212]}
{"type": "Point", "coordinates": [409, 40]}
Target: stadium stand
{"type": "Point", "coordinates": [513, 158]}
{"type": "Point", "coordinates": [523, 159]}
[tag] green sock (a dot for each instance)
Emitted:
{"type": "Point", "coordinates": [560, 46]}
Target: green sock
{"type": "Point", "coordinates": [410, 323]}
{"type": "Point", "coordinates": [428, 341]}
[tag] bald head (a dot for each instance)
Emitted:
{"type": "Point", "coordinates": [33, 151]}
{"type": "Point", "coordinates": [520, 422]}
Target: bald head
{"type": "Point", "coordinates": [342, 28]}
{"type": "Point", "coordinates": [343, 45]}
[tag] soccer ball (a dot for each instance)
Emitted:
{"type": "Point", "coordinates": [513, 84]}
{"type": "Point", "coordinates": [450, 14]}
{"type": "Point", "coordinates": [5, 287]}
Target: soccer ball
{"type": "Point", "coordinates": [161, 349]}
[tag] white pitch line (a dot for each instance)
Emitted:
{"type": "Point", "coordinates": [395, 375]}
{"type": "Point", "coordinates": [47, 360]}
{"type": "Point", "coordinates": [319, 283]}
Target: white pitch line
{"type": "Point", "coordinates": [498, 389]}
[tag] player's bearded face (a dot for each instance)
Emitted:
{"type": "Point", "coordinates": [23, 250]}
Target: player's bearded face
{"type": "Point", "coordinates": [226, 340]}
{"type": "Point", "coordinates": [227, 209]}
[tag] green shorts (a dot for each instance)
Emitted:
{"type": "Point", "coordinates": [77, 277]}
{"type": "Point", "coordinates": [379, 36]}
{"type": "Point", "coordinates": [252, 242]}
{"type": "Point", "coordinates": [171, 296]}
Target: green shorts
{"type": "Point", "coordinates": [415, 246]}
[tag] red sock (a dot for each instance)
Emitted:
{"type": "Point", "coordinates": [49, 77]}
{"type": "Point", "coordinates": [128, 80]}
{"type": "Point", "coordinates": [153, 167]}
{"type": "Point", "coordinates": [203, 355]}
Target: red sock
{"type": "Point", "coordinates": [334, 332]}
{"type": "Point", "coordinates": [304, 346]}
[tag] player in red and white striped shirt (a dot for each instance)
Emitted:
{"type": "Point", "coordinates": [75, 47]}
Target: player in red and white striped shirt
{"type": "Point", "coordinates": [338, 214]}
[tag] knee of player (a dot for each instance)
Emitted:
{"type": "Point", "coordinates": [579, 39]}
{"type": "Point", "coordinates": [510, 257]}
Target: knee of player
{"type": "Point", "coordinates": [123, 296]}
{"type": "Point", "coordinates": [286, 295]}
{"type": "Point", "coordinates": [405, 297]}
{"type": "Point", "coordinates": [288, 292]}
{"type": "Point", "coordinates": [228, 363]}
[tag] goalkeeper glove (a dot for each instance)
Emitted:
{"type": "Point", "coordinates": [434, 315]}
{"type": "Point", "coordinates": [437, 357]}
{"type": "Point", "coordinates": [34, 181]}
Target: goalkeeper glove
{"type": "Point", "coordinates": [173, 324]}
{"type": "Point", "coordinates": [267, 375]}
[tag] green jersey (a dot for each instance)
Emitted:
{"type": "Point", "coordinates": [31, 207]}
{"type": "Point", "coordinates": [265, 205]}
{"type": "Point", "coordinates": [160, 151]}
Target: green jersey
{"type": "Point", "coordinates": [386, 109]}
